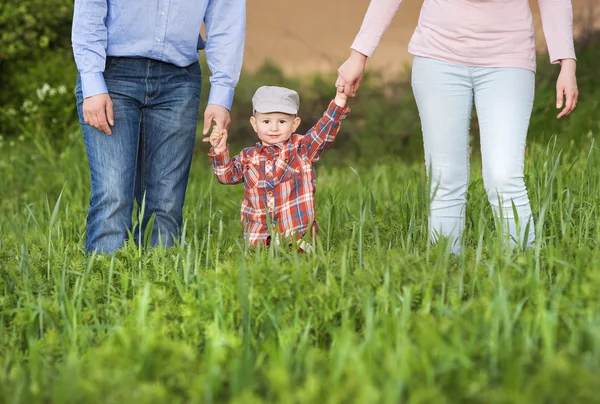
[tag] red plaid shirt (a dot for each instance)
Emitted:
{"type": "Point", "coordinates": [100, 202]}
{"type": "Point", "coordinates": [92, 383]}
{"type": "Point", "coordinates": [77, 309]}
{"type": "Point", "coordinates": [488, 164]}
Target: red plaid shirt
{"type": "Point", "coordinates": [279, 181]}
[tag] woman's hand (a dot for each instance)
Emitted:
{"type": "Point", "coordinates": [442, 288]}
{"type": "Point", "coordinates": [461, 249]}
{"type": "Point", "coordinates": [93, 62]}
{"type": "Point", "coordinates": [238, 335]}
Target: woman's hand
{"type": "Point", "coordinates": [350, 74]}
{"type": "Point", "coordinates": [217, 139]}
{"type": "Point", "coordinates": [566, 87]}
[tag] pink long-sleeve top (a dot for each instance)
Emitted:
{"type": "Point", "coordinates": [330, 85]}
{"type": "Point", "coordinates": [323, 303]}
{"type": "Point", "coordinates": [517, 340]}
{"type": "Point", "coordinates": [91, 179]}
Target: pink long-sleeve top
{"type": "Point", "coordinates": [485, 33]}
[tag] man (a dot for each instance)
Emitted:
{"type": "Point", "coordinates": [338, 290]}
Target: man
{"type": "Point", "coordinates": [138, 95]}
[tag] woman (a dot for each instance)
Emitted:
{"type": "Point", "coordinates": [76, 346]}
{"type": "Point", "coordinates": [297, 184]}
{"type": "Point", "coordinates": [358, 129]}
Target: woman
{"type": "Point", "coordinates": [481, 52]}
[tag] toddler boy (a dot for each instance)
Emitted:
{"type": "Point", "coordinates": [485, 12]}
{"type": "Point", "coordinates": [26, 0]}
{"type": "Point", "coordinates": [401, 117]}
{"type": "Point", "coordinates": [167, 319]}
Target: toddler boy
{"type": "Point", "coordinates": [278, 174]}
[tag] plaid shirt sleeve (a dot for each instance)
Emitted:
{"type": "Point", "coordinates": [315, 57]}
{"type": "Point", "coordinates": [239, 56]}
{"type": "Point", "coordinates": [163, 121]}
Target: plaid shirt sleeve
{"type": "Point", "coordinates": [227, 171]}
{"type": "Point", "coordinates": [322, 135]}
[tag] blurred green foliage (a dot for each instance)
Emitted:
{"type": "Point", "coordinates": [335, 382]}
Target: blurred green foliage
{"type": "Point", "coordinates": [28, 27]}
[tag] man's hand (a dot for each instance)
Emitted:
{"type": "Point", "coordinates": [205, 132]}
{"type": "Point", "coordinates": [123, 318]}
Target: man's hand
{"type": "Point", "coordinates": [350, 74]}
{"type": "Point", "coordinates": [98, 112]}
{"type": "Point", "coordinates": [217, 139]}
{"type": "Point", "coordinates": [566, 87]}
{"type": "Point", "coordinates": [218, 114]}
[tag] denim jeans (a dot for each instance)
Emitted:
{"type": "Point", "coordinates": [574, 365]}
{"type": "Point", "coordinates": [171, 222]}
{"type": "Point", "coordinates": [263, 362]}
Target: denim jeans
{"type": "Point", "coordinates": [148, 155]}
{"type": "Point", "coordinates": [503, 98]}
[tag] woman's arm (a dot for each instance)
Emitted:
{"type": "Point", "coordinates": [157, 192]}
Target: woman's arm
{"type": "Point", "coordinates": [377, 20]}
{"type": "Point", "coordinates": [557, 23]}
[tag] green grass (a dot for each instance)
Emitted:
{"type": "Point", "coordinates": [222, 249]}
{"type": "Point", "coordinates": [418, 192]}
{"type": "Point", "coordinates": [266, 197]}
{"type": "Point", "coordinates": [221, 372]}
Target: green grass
{"type": "Point", "coordinates": [377, 315]}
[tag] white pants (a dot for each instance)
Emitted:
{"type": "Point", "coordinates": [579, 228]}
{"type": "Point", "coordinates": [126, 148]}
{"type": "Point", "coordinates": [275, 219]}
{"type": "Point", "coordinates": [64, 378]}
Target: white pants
{"type": "Point", "coordinates": [503, 99]}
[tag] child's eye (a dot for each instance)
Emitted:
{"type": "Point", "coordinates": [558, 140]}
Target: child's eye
{"type": "Point", "coordinates": [282, 121]}
{"type": "Point", "coordinates": [266, 121]}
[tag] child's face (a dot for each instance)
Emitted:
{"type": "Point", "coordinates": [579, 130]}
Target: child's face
{"type": "Point", "coordinates": [274, 127]}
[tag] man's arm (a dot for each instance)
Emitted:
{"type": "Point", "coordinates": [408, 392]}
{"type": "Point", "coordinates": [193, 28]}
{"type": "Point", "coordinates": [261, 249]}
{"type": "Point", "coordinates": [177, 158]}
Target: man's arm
{"type": "Point", "coordinates": [89, 40]}
{"type": "Point", "coordinates": [322, 135]}
{"type": "Point", "coordinates": [225, 22]}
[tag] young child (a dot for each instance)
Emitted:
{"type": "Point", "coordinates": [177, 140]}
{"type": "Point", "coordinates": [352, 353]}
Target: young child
{"type": "Point", "coordinates": [278, 173]}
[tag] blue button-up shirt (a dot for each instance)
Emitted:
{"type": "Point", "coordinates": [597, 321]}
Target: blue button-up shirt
{"type": "Point", "coordinates": [165, 30]}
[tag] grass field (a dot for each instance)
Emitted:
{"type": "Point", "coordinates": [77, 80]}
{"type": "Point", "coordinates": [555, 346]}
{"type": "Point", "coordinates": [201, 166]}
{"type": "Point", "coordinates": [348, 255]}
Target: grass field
{"type": "Point", "coordinates": [377, 315]}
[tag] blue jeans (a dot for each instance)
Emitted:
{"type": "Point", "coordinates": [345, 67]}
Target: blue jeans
{"type": "Point", "coordinates": [503, 97]}
{"type": "Point", "coordinates": [148, 155]}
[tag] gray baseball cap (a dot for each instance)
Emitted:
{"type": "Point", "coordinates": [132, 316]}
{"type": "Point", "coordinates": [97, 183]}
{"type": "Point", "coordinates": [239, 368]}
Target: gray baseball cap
{"type": "Point", "coordinates": [275, 99]}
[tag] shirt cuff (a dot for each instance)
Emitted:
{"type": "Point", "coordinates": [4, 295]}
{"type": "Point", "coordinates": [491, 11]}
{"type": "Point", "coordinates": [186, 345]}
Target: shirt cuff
{"type": "Point", "coordinates": [93, 84]}
{"type": "Point", "coordinates": [219, 159]}
{"type": "Point", "coordinates": [557, 59]}
{"type": "Point", "coordinates": [362, 46]}
{"type": "Point", "coordinates": [336, 112]}
{"type": "Point", "coordinates": [221, 95]}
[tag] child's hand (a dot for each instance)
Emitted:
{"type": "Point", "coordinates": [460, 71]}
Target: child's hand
{"type": "Point", "coordinates": [340, 97]}
{"type": "Point", "coordinates": [217, 139]}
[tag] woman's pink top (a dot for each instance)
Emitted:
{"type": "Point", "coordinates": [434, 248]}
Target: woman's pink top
{"type": "Point", "coordinates": [487, 33]}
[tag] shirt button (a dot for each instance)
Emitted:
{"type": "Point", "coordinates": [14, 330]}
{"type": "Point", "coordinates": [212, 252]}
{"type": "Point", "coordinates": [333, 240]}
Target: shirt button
{"type": "Point", "coordinates": [273, 225]}
{"type": "Point", "coordinates": [270, 193]}
{"type": "Point", "coordinates": [157, 39]}
{"type": "Point", "coordinates": [163, 13]}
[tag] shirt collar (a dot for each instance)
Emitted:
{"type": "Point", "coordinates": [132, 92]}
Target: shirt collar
{"type": "Point", "coordinates": [262, 147]}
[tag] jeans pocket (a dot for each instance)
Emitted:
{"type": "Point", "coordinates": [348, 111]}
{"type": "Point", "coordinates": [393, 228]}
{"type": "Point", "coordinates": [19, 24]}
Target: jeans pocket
{"type": "Point", "coordinates": [194, 70]}
{"type": "Point", "coordinates": [111, 63]}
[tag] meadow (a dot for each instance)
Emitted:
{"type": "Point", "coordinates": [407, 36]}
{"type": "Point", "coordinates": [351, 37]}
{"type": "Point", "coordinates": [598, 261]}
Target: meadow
{"type": "Point", "coordinates": [377, 314]}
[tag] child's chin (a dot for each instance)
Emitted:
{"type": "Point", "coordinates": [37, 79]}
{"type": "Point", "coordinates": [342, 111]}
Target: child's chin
{"type": "Point", "coordinates": [272, 141]}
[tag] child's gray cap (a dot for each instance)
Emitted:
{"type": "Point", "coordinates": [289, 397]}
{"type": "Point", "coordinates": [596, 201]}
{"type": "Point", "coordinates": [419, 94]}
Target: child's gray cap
{"type": "Point", "coordinates": [269, 99]}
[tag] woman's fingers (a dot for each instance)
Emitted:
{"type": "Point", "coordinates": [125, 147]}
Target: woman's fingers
{"type": "Point", "coordinates": [570, 101]}
{"type": "Point", "coordinates": [349, 89]}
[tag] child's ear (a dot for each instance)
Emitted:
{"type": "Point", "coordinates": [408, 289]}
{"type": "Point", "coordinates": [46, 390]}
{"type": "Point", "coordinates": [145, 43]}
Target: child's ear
{"type": "Point", "coordinates": [253, 123]}
{"type": "Point", "coordinates": [297, 121]}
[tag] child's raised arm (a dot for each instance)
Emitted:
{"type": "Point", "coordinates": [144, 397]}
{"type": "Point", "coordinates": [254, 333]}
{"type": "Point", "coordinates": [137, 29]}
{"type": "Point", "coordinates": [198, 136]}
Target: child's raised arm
{"type": "Point", "coordinates": [322, 135]}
